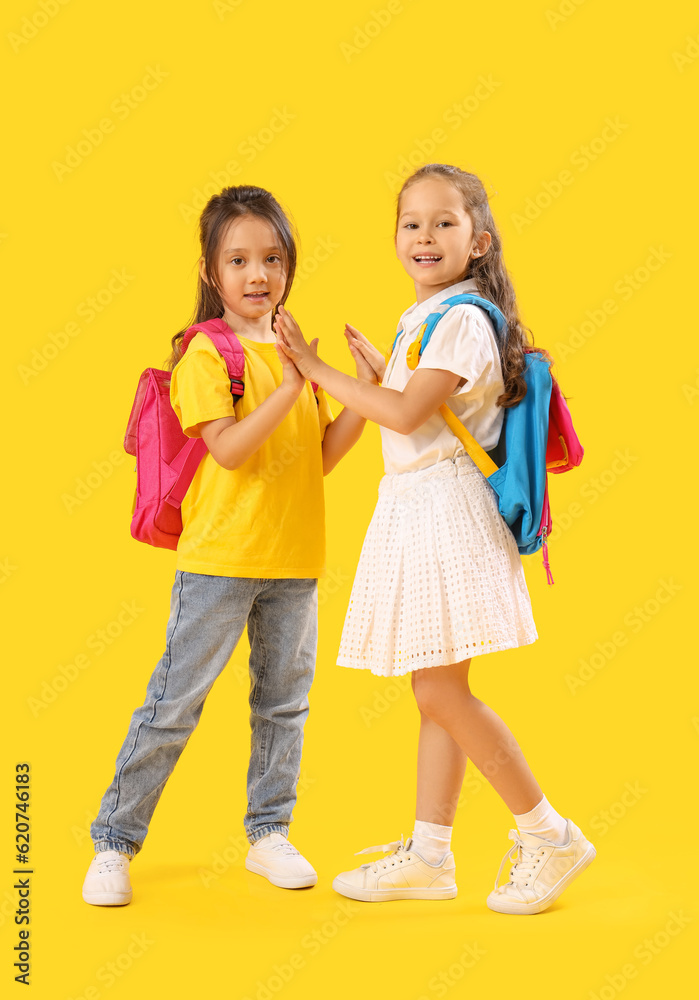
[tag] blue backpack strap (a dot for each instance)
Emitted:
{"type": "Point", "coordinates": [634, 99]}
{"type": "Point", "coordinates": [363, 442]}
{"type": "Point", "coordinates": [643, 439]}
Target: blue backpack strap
{"type": "Point", "coordinates": [466, 298]}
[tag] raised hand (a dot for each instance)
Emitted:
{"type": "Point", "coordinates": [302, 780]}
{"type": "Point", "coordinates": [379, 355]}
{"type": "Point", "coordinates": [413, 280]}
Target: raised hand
{"type": "Point", "coordinates": [359, 343]}
{"type": "Point", "coordinates": [365, 373]}
{"type": "Point", "coordinates": [291, 376]}
{"type": "Point", "coordinates": [290, 340]}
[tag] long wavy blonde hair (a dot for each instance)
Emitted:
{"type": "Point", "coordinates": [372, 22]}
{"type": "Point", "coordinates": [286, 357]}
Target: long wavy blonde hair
{"type": "Point", "coordinates": [491, 275]}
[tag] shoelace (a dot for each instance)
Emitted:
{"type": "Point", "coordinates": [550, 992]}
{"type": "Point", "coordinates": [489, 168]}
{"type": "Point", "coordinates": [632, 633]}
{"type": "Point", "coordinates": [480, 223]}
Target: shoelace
{"type": "Point", "coordinates": [525, 860]}
{"type": "Point", "coordinates": [113, 865]}
{"type": "Point", "coordinates": [395, 847]}
{"type": "Point", "coordinates": [283, 848]}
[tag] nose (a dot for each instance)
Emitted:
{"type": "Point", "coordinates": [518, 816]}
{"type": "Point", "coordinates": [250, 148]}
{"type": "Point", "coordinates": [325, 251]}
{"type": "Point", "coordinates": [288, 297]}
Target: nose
{"type": "Point", "coordinates": [257, 273]}
{"type": "Point", "coordinates": [425, 237]}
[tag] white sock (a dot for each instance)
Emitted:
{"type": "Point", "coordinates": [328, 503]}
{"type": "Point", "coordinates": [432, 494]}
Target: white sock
{"type": "Point", "coordinates": [267, 841]}
{"type": "Point", "coordinates": [431, 841]}
{"type": "Point", "coordinates": [543, 821]}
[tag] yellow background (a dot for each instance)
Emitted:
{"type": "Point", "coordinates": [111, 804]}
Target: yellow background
{"type": "Point", "coordinates": [605, 703]}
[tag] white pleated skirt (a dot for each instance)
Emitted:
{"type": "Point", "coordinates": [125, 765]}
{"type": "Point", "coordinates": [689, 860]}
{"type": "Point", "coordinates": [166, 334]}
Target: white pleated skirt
{"type": "Point", "coordinates": [439, 578]}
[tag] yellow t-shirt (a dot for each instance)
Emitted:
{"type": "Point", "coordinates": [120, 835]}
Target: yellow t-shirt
{"type": "Point", "coordinates": [266, 518]}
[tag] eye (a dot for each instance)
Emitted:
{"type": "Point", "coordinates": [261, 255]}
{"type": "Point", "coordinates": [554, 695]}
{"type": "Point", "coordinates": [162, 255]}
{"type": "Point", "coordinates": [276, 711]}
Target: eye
{"type": "Point", "coordinates": [275, 257]}
{"type": "Point", "coordinates": [410, 225]}
{"type": "Point", "coordinates": [237, 260]}
{"type": "Point", "coordinates": [445, 223]}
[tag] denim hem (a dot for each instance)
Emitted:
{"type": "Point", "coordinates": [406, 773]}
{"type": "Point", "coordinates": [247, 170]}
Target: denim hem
{"type": "Point", "coordinates": [262, 831]}
{"type": "Point", "coordinates": [114, 845]}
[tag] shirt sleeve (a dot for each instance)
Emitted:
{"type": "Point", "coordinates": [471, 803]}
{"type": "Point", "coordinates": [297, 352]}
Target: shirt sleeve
{"type": "Point", "coordinates": [325, 415]}
{"type": "Point", "coordinates": [461, 343]}
{"type": "Point", "coordinates": [200, 390]}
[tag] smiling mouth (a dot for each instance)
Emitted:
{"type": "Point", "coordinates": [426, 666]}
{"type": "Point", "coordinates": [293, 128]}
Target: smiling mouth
{"type": "Point", "coordinates": [256, 295]}
{"type": "Point", "coordinates": [427, 259]}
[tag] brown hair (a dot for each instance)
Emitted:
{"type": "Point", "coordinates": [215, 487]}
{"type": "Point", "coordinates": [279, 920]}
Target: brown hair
{"type": "Point", "coordinates": [222, 209]}
{"type": "Point", "coordinates": [490, 273]}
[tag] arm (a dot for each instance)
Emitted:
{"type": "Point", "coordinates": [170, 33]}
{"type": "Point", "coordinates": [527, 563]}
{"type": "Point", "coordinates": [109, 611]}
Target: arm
{"type": "Point", "coordinates": [341, 435]}
{"type": "Point", "coordinates": [233, 442]}
{"type": "Point", "coordinates": [399, 411]}
{"type": "Point", "coordinates": [344, 432]}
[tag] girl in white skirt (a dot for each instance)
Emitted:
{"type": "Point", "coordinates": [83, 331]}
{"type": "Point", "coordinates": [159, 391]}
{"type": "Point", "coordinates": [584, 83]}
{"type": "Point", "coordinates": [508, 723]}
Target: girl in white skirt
{"type": "Point", "coordinates": [440, 579]}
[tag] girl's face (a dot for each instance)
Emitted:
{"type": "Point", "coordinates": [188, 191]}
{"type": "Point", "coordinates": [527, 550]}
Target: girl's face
{"type": "Point", "coordinates": [251, 269]}
{"type": "Point", "coordinates": [434, 239]}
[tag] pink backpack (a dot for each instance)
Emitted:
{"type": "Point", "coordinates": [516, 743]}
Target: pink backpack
{"type": "Point", "coordinates": [563, 448]}
{"type": "Point", "coordinates": [563, 453]}
{"type": "Point", "coordinates": [166, 459]}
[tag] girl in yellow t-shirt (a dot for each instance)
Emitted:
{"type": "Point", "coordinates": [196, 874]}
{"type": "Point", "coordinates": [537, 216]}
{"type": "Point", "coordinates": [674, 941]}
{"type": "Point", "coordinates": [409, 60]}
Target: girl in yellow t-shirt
{"type": "Point", "coordinates": [251, 550]}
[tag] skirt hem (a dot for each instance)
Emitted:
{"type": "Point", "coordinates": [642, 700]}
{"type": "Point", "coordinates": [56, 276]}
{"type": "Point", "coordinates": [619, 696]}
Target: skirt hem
{"type": "Point", "coordinates": [401, 671]}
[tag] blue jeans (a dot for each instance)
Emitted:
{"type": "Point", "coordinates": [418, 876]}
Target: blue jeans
{"type": "Point", "coordinates": [207, 618]}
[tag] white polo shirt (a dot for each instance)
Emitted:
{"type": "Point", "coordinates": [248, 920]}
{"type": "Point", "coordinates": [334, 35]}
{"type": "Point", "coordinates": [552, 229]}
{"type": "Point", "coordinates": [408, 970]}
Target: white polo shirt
{"type": "Point", "coordinates": [463, 342]}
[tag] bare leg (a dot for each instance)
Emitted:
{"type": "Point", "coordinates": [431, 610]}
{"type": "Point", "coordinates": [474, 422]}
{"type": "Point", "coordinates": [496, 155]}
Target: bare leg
{"type": "Point", "coordinates": [441, 764]}
{"type": "Point", "coordinates": [443, 695]}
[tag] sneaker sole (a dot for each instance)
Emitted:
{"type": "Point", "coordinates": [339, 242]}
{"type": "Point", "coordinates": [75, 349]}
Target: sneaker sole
{"type": "Point", "coordinates": [512, 906]}
{"type": "Point", "coordinates": [283, 882]}
{"type": "Point", "coordinates": [385, 895]}
{"type": "Point", "coordinates": [108, 898]}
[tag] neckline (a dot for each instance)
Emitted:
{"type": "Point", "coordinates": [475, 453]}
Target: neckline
{"type": "Point", "coordinates": [248, 340]}
{"type": "Point", "coordinates": [466, 285]}
{"type": "Point", "coordinates": [258, 345]}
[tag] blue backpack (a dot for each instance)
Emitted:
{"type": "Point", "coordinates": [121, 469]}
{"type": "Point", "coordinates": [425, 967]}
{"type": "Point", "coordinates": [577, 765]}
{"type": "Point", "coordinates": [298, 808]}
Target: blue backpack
{"type": "Point", "coordinates": [530, 443]}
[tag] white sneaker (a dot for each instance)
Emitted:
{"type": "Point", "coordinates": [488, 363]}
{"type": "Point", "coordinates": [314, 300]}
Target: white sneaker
{"type": "Point", "coordinates": [279, 861]}
{"type": "Point", "coordinates": [541, 871]}
{"type": "Point", "coordinates": [402, 874]}
{"type": "Point", "coordinates": [107, 881]}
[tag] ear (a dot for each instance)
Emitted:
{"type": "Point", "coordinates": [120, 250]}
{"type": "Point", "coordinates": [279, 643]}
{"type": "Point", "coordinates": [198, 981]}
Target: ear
{"type": "Point", "coordinates": [202, 270]}
{"type": "Point", "coordinates": [483, 242]}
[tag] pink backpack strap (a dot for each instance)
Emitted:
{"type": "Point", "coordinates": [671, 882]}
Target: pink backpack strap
{"type": "Point", "coordinates": [544, 529]}
{"type": "Point", "coordinates": [227, 345]}
{"type": "Point", "coordinates": [185, 464]}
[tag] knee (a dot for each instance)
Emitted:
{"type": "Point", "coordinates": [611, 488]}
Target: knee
{"type": "Point", "coordinates": [289, 713]}
{"type": "Point", "coordinates": [430, 696]}
{"type": "Point", "coordinates": [439, 693]}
